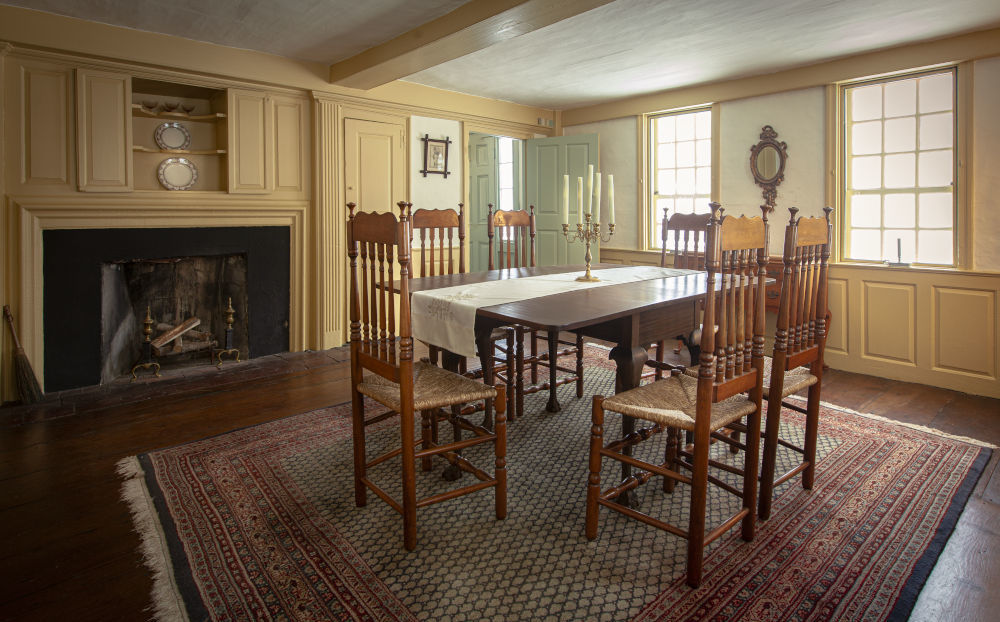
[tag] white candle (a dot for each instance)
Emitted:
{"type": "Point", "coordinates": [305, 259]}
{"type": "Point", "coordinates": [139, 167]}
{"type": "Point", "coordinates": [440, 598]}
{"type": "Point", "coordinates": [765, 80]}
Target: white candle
{"type": "Point", "coordinates": [565, 199]}
{"type": "Point", "coordinates": [590, 188]}
{"type": "Point", "coordinates": [597, 197]}
{"type": "Point", "coordinates": [611, 199]}
{"type": "Point", "coordinates": [579, 198]}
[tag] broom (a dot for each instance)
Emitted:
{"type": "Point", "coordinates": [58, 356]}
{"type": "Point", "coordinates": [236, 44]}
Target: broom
{"type": "Point", "coordinates": [27, 384]}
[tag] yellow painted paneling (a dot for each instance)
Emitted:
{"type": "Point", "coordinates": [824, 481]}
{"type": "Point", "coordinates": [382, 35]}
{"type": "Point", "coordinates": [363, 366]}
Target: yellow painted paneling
{"type": "Point", "coordinates": [103, 131]}
{"type": "Point", "coordinates": [964, 333]}
{"type": "Point", "coordinates": [836, 339]}
{"type": "Point", "coordinates": [249, 160]}
{"type": "Point", "coordinates": [890, 321]}
{"type": "Point", "coordinates": [290, 138]}
{"type": "Point", "coordinates": [45, 112]}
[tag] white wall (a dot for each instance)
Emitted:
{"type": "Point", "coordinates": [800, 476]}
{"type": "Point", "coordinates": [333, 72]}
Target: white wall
{"type": "Point", "coordinates": [986, 165]}
{"type": "Point", "coordinates": [436, 191]}
{"type": "Point", "coordinates": [799, 118]}
{"type": "Point", "coordinates": [618, 156]}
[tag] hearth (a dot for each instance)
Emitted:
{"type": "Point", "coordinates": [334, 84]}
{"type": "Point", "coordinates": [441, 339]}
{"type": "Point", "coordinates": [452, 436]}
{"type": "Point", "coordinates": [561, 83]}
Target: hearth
{"type": "Point", "coordinates": [99, 283]}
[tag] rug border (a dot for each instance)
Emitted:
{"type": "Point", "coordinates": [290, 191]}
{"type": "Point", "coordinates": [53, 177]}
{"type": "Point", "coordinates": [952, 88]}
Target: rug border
{"type": "Point", "coordinates": [915, 583]}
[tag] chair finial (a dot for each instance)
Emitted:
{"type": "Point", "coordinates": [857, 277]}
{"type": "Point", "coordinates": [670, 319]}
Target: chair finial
{"type": "Point", "coordinates": [716, 209]}
{"type": "Point", "coordinates": [350, 208]}
{"type": "Point", "coordinates": [793, 211]}
{"type": "Point", "coordinates": [403, 205]}
{"type": "Point", "coordinates": [827, 211]}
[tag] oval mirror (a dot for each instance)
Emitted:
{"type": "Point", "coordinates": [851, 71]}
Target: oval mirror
{"type": "Point", "coordinates": [767, 164]}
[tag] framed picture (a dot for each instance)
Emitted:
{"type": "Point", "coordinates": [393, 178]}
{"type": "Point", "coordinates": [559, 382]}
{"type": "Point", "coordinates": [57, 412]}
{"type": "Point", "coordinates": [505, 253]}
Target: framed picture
{"type": "Point", "coordinates": [435, 156]}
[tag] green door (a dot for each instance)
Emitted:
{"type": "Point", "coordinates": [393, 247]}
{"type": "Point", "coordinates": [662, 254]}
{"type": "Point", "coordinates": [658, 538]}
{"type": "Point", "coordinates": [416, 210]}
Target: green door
{"type": "Point", "coordinates": [546, 161]}
{"type": "Point", "coordinates": [483, 190]}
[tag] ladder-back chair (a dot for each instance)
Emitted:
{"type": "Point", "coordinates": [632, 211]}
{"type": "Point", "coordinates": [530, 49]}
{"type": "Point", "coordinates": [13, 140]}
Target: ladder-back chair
{"type": "Point", "coordinates": [727, 389]}
{"type": "Point", "coordinates": [684, 235]}
{"type": "Point", "coordinates": [382, 368]}
{"type": "Point", "coordinates": [512, 245]}
{"type": "Point", "coordinates": [799, 346]}
{"type": "Point", "coordinates": [437, 230]}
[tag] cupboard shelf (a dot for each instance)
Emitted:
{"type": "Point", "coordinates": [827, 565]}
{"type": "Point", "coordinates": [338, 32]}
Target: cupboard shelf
{"type": "Point", "coordinates": [139, 111]}
{"type": "Point", "coordinates": [143, 149]}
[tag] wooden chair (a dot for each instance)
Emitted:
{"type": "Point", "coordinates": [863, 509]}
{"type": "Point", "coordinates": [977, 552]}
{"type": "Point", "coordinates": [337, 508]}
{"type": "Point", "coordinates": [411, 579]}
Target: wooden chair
{"type": "Point", "coordinates": [383, 369]}
{"type": "Point", "coordinates": [438, 229]}
{"type": "Point", "coordinates": [727, 389]}
{"type": "Point", "coordinates": [799, 345]}
{"type": "Point", "coordinates": [687, 246]}
{"type": "Point", "coordinates": [512, 245]}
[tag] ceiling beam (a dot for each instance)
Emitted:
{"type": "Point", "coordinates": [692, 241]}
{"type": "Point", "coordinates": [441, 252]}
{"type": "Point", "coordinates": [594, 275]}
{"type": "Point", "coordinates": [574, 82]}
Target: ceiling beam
{"type": "Point", "coordinates": [473, 26]}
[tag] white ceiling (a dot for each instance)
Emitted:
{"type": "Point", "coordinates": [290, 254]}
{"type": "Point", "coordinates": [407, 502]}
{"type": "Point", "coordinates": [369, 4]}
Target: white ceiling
{"type": "Point", "coordinates": [624, 48]}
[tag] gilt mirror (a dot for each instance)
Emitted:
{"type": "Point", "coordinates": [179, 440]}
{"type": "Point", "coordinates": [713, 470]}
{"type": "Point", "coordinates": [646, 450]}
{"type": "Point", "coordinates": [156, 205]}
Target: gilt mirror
{"type": "Point", "coordinates": [767, 164]}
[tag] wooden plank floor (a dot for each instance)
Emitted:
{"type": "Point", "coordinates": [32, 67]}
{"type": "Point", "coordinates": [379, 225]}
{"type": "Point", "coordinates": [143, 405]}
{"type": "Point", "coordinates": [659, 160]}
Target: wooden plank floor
{"type": "Point", "coordinates": [68, 550]}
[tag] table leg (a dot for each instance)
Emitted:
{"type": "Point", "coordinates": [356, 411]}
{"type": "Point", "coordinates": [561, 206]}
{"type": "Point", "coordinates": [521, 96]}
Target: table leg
{"type": "Point", "coordinates": [629, 362]}
{"type": "Point", "coordinates": [553, 404]}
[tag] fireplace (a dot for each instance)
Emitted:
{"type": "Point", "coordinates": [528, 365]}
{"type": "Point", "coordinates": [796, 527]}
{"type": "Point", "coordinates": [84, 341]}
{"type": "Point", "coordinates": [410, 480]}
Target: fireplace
{"type": "Point", "coordinates": [94, 299]}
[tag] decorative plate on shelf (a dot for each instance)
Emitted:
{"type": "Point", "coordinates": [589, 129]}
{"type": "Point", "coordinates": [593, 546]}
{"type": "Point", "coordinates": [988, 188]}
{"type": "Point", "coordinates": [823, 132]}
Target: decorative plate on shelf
{"type": "Point", "coordinates": [172, 136]}
{"type": "Point", "coordinates": [177, 174]}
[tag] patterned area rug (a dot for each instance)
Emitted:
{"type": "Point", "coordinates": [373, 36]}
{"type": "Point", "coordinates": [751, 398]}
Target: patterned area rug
{"type": "Point", "coordinates": [260, 524]}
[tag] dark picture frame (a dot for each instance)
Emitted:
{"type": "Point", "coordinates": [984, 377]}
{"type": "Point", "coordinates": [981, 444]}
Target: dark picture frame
{"type": "Point", "coordinates": [435, 156]}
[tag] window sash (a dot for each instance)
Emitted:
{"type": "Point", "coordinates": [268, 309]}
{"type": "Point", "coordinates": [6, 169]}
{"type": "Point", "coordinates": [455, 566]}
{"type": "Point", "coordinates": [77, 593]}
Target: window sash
{"type": "Point", "coordinates": [695, 148]}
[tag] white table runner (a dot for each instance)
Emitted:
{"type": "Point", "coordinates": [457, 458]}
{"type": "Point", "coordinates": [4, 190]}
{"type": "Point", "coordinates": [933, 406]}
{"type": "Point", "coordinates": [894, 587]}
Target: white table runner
{"type": "Point", "coordinates": [446, 317]}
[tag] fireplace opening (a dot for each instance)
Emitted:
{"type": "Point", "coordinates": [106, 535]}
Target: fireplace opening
{"type": "Point", "coordinates": [99, 282]}
{"type": "Point", "coordinates": [186, 299]}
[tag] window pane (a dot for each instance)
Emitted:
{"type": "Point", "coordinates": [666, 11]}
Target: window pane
{"type": "Point", "coordinates": [704, 180]}
{"type": "Point", "coordinates": [665, 156]}
{"type": "Point", "coordinates": [666, 182]}
{"type": "Point", "coordinates": [900, 98]}
{"type": "Point", "coordinates": [936, 210]}
{"type": "Point", "coordinates": [507, 198]}
{"type": "Point", "coordinates": [506, 175]}
{"type": "Point", "coordinates": [866, 244]}
{"type": "Point", "coordinates": [865, 210]}
{"type": "Point", "coordinates": [685, 205]}
{"type": "Point", "coordinates": [899, 171]}
{"type": "Point", "coordinates": [866, 138]}
{"type": "Point", "coordinates": [685, 126]}
{"type": "Point", "coordinates": [665, 128]}
{"type": "Point", "coordinates": [703, 124]}
{"type": "Point", "coordinates": [703, 155]}
{"type": "Point", "coordinates": [936, 247]}
{"type": "Point", "coordinates": [900, 134]}
{"type": "Point", "coordinates": [685, 181]}
{"type": "Point", "coordinates": [685, 154]}
{"type": "Point", "coordinates": [866, 173]}
{"type": "Point", "coordinates": [701, 206]}
{"type": "Point", "coordinates": [662, 204]}
{"type": "Point", "coordinates": [866, 103]}
{"type": "Point", "coordinates": [506, 149]}
{"type": "Point", "coordinates": [935, 169]}
{"type": "Point", "coordinates": [900, 210]}
{"type": "Point", "coordinates": [936, 93]}
{"type": "Point", "coordinates": [936, 131]}
{"type": "Point", "coordinates": [900, 241]}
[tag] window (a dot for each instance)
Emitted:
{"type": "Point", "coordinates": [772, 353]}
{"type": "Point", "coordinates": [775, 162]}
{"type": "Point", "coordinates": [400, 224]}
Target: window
{"type": "Point", "coordinates": [681, 167]}
{"type": "Point", "coordinates": [899, 143]}
{"type": "Point", "coordinates": [505, 168]}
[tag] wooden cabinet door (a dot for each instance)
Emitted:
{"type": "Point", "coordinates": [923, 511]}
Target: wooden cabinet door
{"type": "Point", "coordinates": [250, 154]}
{"type": "Point", "coordinates": [291, 144]}
{"type": "Point", "coordinates": [103, 131]}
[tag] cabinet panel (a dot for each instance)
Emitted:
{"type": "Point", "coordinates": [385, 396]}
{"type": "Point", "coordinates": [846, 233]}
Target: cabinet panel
{"type": "Point", "coordinates": [43, 123]}
{"type": "Point", "coordinates": [250, 166]}
{"type": "Point", "coordinates": [291, 144]}
{"type": "Point", "coordinates": [104, 131]}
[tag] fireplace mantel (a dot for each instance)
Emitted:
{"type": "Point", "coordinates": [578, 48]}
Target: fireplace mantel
{"type": "Point", "coordinates": [34, 214]}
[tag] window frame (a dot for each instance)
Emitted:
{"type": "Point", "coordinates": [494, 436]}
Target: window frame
{"type": "Point", "coordinates": [840, 144]}
{"type": "Point", "coordinates": [648, 226]}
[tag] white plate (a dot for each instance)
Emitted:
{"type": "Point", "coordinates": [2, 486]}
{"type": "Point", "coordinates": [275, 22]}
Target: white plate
{"type": "Point", "coordinates": [172, 136]}
{"type": "Point", "coordinates": [177, 174]}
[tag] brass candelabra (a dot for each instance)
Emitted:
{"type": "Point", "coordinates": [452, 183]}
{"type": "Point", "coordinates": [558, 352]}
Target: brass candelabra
{"type": "Point", "coordinates": [588, 232]}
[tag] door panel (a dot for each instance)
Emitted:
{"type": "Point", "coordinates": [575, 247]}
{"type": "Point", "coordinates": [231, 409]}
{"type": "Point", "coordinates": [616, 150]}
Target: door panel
{"type": "Point", "coordinates": [547, 160]}
{"type": "Point", "coordinates": [483, 189]}
{"type": "Point", "coordinates": [374, 164]}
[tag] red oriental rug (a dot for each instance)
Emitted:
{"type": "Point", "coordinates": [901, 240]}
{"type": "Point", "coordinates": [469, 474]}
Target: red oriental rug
{"type": "Point", "coordinates": [260, 524]}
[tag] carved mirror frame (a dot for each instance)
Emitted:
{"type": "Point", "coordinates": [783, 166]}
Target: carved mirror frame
{"type": "Point", "coordinates": [769, 140]}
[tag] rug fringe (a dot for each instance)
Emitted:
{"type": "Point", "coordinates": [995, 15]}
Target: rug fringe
{"type": "Point", "coordinates": [912, 426]}
{"type": "Point", "coordinates": [167, 604]}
